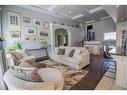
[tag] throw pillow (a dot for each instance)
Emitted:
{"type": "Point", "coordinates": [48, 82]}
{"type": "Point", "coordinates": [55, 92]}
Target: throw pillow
{"type": "Point", "coordinates": [39, 66]}
{"type": "Point", "coordinates": [16, 57]}
{"type": "Point", "coordinates": [61, 51]}
{"type": "Point", "coordinates": [71, 53]}
{"type": "Point", "coordinates": [27, 74]}
{"type": "Point", "coordinates": [76, 53]}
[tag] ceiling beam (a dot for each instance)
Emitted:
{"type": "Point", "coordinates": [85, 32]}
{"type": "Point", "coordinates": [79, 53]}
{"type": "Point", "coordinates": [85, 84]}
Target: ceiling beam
{"type": "Point", "coordinates": [77, 16]}
{"type": "Point", "coordinates": [52, 7]}
{"type": "Point", "coordinates": [39, 7]}
{"type": "Point", "coordinates": [96, 9]}
{"type": "Point", "coordinates": [63, 15]}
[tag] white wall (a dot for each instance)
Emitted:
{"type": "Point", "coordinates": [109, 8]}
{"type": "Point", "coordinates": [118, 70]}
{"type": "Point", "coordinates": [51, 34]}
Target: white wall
{"type": "Point", "coordinates": [102, 27]}
{"type": "Point", "coordinates": [29, 13]}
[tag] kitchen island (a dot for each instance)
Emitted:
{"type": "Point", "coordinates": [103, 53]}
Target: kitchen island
{"type": "Point", "coordinates": [120, 57]}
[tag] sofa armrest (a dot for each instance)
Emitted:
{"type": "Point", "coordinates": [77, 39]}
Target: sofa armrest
{"type": "Point", "coordinates": [83, 58]}
{"type": "Point", "coordinates": [29, 59]}
{"type": "Point", "coordinates": [40, 86]}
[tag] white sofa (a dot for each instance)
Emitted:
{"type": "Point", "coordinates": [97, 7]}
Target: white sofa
{"type": "Point", "coordinates": [78, 61]}
{"type": "Point", "coordinates": [50, 82]}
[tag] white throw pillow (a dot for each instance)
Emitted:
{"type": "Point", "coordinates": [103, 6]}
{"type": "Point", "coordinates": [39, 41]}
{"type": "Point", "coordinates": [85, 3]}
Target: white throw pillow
{"type": "Point", "coordinates": [24, 73]}
{"type": "Point", "coordinates": [76, 53]}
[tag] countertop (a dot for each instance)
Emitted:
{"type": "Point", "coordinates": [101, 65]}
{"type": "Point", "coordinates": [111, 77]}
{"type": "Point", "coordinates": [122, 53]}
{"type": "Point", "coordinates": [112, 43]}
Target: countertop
{"type": "Point", "coordinates": [118, 51]}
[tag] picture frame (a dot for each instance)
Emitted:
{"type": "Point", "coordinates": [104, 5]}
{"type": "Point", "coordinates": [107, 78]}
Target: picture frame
{"type": "Point", "coordinates": [46, 25]}
{"type": "Point", "coordinates": [42, 32]}
{"type": "Point", "coordinates": [15, 33]}
{"type": "Point", "coordinates": [14, 20]}
{"type": "Point", "coordinates": [34, 39]}
{"type": "Point", "coordinates": [37, 22]}
{"type": "Point", "coordinates": [27, 38]}
{"type": "Point", "coordinates": [30, 31]}
{"type": "Point", "coordinates": [27, 20]}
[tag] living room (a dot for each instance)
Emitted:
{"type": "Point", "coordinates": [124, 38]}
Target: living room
{"type": "Point", "coordinates": [75, 45]}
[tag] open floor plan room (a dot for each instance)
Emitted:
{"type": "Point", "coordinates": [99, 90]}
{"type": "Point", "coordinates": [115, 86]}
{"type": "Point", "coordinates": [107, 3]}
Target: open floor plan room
{"type": "Point", "coordinates": [63, 47]}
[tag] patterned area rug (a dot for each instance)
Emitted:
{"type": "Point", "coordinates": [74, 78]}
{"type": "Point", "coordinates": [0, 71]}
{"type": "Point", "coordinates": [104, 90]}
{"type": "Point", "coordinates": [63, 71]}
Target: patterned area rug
{"type": "Point", "coordinates": [71, 76]}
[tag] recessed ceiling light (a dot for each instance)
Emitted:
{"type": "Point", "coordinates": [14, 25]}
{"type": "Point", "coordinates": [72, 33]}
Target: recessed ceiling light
{"type": "Point", "coordinates": [70, 12]}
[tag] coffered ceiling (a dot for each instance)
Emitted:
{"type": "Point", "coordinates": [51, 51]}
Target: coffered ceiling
{"type": "Point", "coordinates": [82, 13]}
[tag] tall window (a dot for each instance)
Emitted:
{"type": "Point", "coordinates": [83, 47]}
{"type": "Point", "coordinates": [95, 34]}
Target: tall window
{"type": "Point", "coordinates": [110, 36]}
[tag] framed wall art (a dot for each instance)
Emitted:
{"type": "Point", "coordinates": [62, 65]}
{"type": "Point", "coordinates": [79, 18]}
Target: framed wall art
{"type": "Point", "coordinates": [14, 20]}
{"type": "Point", "coordinates": [37, 22]}
{"type": "Point", "coordinates": [42, 32]}
{"type": "Point", "coordinates": [33, 39]}
{"type": "Point", "coordinates": [46, 24]}
{"type": "Point", "coordinates": [27, 20]}
{"type": "Point", "coordinates": [27, 38]}
{"type": "Point", "coordinates": [30, 31]}
{"type": "Point", "coordinates": [15, 33]}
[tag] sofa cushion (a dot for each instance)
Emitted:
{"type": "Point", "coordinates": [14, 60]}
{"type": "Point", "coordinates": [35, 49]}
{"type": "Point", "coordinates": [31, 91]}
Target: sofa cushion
{"type": "Point", "coordinates": [70, 59]}
{"type": "Point", "coordinates": [61, 51]}
{"type": "Point", "coordinates": [28, 74]}
{"type": "Point", "coordinates": [71, 53]}
{"type": "Point", "coordinates": [77, 52]}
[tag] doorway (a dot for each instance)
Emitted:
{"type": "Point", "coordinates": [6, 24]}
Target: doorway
{"type": "Point", "coordinates": [90, 33]}
{"type": "Point", "coordinates": [61, 37]}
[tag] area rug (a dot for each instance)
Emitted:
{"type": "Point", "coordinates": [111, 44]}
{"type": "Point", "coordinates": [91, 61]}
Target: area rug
{"type": "Point", "coordinates": [71, 75]}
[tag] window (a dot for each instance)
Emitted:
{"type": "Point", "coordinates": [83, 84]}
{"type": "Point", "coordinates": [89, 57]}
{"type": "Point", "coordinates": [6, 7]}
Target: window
{"type": "Point", "coordinates": [110, 36]}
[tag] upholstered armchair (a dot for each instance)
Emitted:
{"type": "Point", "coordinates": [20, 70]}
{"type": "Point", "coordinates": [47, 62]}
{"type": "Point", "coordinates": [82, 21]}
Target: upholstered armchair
{"type": "Point", "coordinates": [13, 60]}
{"type": "Point", "coordinates": [49, 81]}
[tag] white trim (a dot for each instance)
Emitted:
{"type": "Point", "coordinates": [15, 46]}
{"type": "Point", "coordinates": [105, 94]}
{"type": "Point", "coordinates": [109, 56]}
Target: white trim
{"type": "Point", "coordinates": [96, 9]}
{"type": "Point", "coordinates": [77, 16]}
{"type": "Point", "coordinates": [91, 21]}
{"type": "Point", "coordinates": [107, 17]}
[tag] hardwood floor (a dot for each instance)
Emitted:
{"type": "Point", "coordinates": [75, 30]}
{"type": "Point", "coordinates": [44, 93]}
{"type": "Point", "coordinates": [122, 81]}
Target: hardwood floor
{"type": "Point", "coordinates": [90, 81]}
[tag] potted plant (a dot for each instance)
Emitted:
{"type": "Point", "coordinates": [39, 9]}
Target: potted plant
{"type": "Point", "coordinates": [14, 47]}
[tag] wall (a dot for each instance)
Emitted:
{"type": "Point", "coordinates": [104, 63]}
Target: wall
{"type": "Point", "coordinates": [74, 34]}
{"type": "Point", "coordinates": [29, 13]}
{"type": "Point", "coordinates": [102, 27]}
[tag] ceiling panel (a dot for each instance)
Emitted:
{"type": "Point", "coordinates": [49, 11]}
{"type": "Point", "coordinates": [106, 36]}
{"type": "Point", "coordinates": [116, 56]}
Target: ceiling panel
{"type": "Point", "coordinates": [101, 13]}
{"type": "Point", "coordinates": [90, 17]}
{"type": "Point", "coordinates": [68, 12]}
